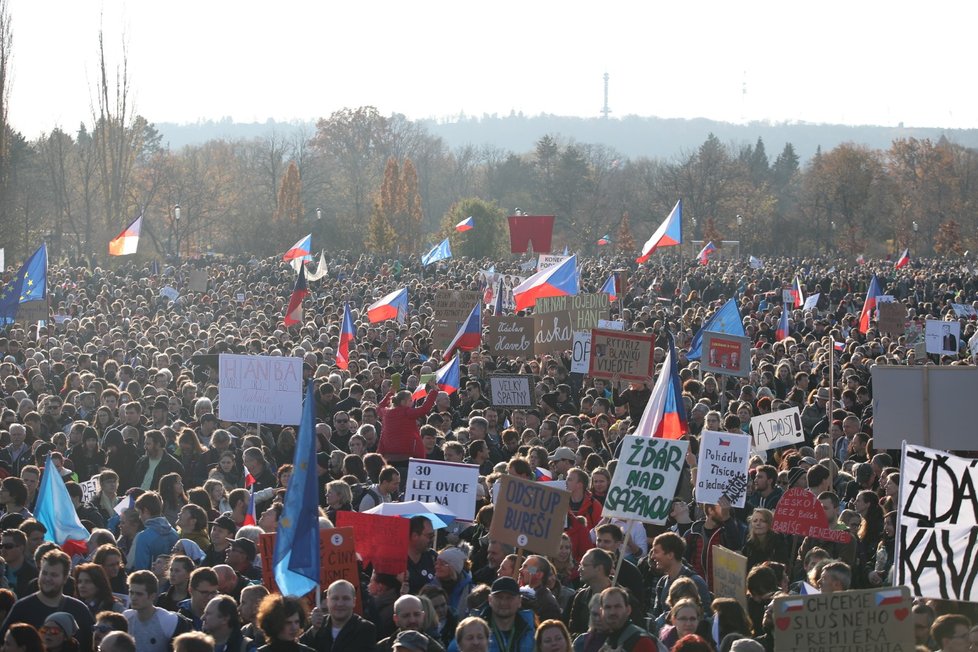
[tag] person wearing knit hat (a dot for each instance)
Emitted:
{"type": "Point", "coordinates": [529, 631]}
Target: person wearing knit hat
{"type": "Point", "coordinates": [58, 631]}
{"type": "Point", "coordinates": [795, 477]}
{"type": "Point", "coordinates": [452, 574]}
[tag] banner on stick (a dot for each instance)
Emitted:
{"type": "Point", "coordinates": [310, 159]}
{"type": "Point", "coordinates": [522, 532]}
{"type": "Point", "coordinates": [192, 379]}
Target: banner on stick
{"type": "Point", "coordinates": [777, 429]}
{"type": "Point", "coordinates": [722, 468]}
{"type": "Point", "coordinates": [260, 389]}
{"type": "Point", "coordinates": [446, 483]}
{"type": "Point", "coordinates": [529, 516]}
{"type": "Point", "coordinates": [645, 479]}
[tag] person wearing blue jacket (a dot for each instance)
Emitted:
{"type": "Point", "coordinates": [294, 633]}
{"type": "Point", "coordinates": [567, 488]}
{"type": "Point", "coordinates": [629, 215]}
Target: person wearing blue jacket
{"type": "Point", "coordinates": [158, 536]}
{"type": "Point", "coordinates": [511, 629]}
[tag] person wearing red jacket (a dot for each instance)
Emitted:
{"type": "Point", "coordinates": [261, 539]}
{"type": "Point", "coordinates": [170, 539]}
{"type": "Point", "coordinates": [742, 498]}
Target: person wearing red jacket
{"type": "Point", "coordinates": [400, 435]}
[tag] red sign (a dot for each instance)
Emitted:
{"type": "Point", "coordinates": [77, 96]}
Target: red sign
{"type": "Point", "coordinates": [337, 560]}
{"type": "Point", "coordinates": [381, 540]}
{"type": "Point", "coordinates": [799, 512]}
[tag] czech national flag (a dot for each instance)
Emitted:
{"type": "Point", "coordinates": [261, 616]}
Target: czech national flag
{"type": "Point", "coordinates": [392, 306]}
{"type": "Point", "coordinates": [249, 480]}
{"type": "Point", "coordinates": [706, 252]}
{"type": "Point", "coordinates": [465, 225]}
{"type": "Point", "coordinates": [126, 242]}
{"type": "Point", "coordinates": [869, 306]}
{"type": "Point", "coordinates": [604, 240]}
{"type": "Point", "coordinates": [782, 330]}
{"type": "Point", "coordinates": [839, 346]}
{"type": "Point", "coordinates": [860, 259]}
{"type": "Point", "coordinates": [665, 413]}
{"type": "Point", "coordinates": [293, 313]}
{"type": "Point", "coordinates": [893, 596]}
{"type": "Point", "coordinates": [469, 335]}
{"type": "Point", "coordinates": [542, 475]}
{"type": "Point", "coordinates": [789, 606]}
{"type": "Point", "coordinates": [610, 287]}
{"type": "Point", "coordinates": [798, 293]}
{"type": "Point", "coordinates": [346, 339]}
{"type": "Point", "coordinates": [251, 518]}
{"type": "Point", "coordinates": [448, 379]}
{"type": "Point", "coordinates": [903, 260]}
{"type": "Point", "coordinates": [561, 280]}
{"type": "Point", "coordinates": [301, 249]}
{"type": "Point", "coordinates": [669, 233]}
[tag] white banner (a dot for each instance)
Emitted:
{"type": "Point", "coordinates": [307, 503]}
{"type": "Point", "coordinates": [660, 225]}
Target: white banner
{"type": "Point", "coordinates": [964, 310]}
{"type": "Point", "coordinates": [811, 302]}
{"type": "Point", "coordinates": [260, 389]}
{"type": "Point", "coordinates": [581, 352]}
{"type": "Point", "coordinates": [446, 483]}
{"type": "Point", "coordinates": [937, 528]}
{"type": "Point", "coordinates": [942, 337]}
{"type": "Point", "coordinates": [645, 479]}
{"type": "Point", "coordinates": [549, 260]}
{"type": "Point", "coordinates": [90, 489]}
{"type": "Point", "coordinates": [722, 468]}
{"type": "Point", "coordinates": [777, 429]}
{"type": "Point", "coordinates": [611, 324]}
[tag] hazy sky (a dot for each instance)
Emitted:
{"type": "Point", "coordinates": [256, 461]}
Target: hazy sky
{"type": "Point", "coordinates": [846, 62]}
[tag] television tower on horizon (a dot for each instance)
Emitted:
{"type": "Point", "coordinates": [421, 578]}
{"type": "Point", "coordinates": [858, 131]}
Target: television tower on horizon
{"type": "Point", "coordinates": [605, 110]}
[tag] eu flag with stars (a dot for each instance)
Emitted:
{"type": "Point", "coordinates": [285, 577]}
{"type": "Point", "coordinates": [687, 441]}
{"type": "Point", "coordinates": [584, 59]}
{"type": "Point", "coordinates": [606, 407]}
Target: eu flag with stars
{"type": "Point", "coordinates": [29, 284]}
{"type": "Point", "coordinates": [725, 320]}
{"type": "Point", "coordinates": [296, 560]}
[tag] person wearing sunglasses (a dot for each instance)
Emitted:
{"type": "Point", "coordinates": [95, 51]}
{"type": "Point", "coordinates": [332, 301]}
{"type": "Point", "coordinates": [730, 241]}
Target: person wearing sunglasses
{"type": "Point", "coordinates": [58, 633]}
{"type": "Point", "coordinates": [19, 570]}
{"type": "Point", "coordinates": [107, 622]}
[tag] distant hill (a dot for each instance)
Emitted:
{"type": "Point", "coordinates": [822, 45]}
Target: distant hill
{"type": "Point", "coordinates": [632, 136]}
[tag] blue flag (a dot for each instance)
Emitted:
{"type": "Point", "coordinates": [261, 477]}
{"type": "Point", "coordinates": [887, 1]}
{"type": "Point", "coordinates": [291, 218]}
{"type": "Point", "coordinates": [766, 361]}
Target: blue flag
{"type": "Point", "coordinates": [54, 509]}
{"type": "Point", "coordinates": [29, 284]}
{"type": "Point", "coordinates": [441, 251]}
{"type": "Point", "coordinates": [296, 560]}
{"type": "Point", "coordinates": [725, 320]}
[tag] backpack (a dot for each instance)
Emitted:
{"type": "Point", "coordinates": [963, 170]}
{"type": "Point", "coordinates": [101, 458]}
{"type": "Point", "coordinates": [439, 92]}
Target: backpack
{"type": "Point", "coordinates": [362, 489]}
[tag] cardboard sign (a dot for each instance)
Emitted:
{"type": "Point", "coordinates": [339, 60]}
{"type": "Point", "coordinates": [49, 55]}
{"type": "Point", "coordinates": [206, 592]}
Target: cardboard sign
{"type": "Point", "coordinates": [722, 468]}
{"type": "Point", "coordinates": [943, 337]}
{"type": "Point", "coordinates": [337, 560]}
{"type": "Point", "coordinates": [799, 512]}
{"type": "Point", "coordinates": [260, 389]}
{"type": "Point", "coordinates": [730, 575]}
{"type": "Point", "coordinates": [868, 619]}
{"type": "Point", "coordinates": [381, 540]}
{"type": "Point", "coordinates": [552, 332]}
{"type": "Point", "coordinates": [645, 479]}
{"type": "Point", "coordinates": [546, 261]}
{"type": "Point", "coordinates": [892, 317]}
{"type": "Point", "coordinates": [923, 405]}
{"type": "Point", "coordinates": [937, 525]}
{"type": "Point", "coordinates": [581, 352]}
{"type": "Point", "coordinates": [586, 310]}
{"type": "Point", "coordinates": [625, 356]}
{"type": "Point", "coordinates": [446, 483]}
{"type": "Point", "coordinates": [451, 308]}
{"type": "Point", "coordinates": [198, 281]}
{"type": "Point", "coordinates": [726, 354]}
{"type": "Point", "coordinates": [510, 336]}
{"type": "Point", "coordinates": [777, 429]}
{"type": "Point", "coordinates": [511, 391]}
{"type": "Point", "coordinates": [529, 516]}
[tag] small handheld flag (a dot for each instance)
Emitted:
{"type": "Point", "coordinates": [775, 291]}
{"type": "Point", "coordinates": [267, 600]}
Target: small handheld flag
{"type": "Point", "coordinates": [798, 293]}
{"type": "Point", "coordinates": [29, 284]}
{"type": "Point", "coordinates": [610, 288]}
{"type": "Point", "coordinates": [782, 331]}
{"type": "Point", "coordinates": [441, 251]}
{"type": "Point", "coordinates": [465, 225]}
{"type": "Point", "coordinates": [469, 335]}
{"type": "Point", "coordinates": [126, 242]}
{"type": "Point", "coordinates": [447, 378]}
{"type": "Point", "coordinates": [903, 260]}
{"type": "Point", "coordinates": [669, 233]}
{"type": "Point", "coordinates": [704, 255]}
{"type": "Point", "coordinates": [293, 313]}
{"type": "Point", "coordinates": [346, 339]}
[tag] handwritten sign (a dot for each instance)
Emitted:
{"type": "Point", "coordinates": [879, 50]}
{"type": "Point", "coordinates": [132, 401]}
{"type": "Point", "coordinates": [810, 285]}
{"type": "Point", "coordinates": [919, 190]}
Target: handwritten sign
{"type": "Point", "coordinates": [90, 489]}
{"type": "Point", "coordinates": [529, 516]}
{"type": "Point", "coordinates": [777, 429]}
{"type": "Point", "coordinates": [581, 352]}
{"type": "Point", "coordinates": [811, 301]}
{"type": "Point", "coordinates": [868, 619]}
{"type": "Point", "coordinates": [552, 332]}
{"type": "Point", "coordinates": [337, 560]}
{"type": "Point", "coordinates": [730, 575]}
{"type": "Point", "coordinates": [511, 391]}
{"type": "Point", "coordinates": [722, 468]}
{"type": "Point", "coordinates": [799, 512]}
{"type": "Point", "coordinates": [627, 356]}
{"type": "Point", "coordinates": [510, 336]}
{"type": "Point", "coordinates": [546, 261]}
{"type": "Point", "coordinates": [892, 317]}
{"type": "Point", "coordinates": [937, 526]}
{"type": "Point", "coordinates": [381, 540]}
{"type": "Point", "coordinates": [586, 310]}
{"type": "Point", "coordinates": [446, 483]}
{"type": "Point", "coordinates": [260, 389]}
{"type": "Point", "coordinates": [645, 479]}
{"type": "Point", "coordinates": [726, 354]}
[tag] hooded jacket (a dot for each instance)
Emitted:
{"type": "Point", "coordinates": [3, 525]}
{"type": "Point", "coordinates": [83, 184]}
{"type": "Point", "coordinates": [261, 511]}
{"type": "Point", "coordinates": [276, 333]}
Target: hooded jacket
{"type": "Point", "coordinates": [156, 539]}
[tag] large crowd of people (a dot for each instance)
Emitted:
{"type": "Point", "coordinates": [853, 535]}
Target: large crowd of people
{"type": "Point", "coordinates": [120, 385]}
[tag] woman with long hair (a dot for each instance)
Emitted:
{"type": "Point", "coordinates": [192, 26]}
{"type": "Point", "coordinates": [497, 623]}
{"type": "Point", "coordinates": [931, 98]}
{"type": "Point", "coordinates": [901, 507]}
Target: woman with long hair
{"type": "Point", "coordinates": [178, 576]}
{"type": "Point", "coordinates": [217, 494]}
{"type": "Point", "coordinates": [564, 563]}
{"type": "Point", "coordinates": [867, 505]}
{"type": "Point", "coordinates": [731, 618]}
{"type": "Point", "coordinates": [339, 498]}
{"type": "Point", "coordinates": [72, 383]}
{"type": "Point", "coordinates": [173, 495]}
{"type": "Point", "coordinates": [453, 574]}
{"type": "Point", "coordinates": [102, 420]}
{"type": "Point", "coordinates": [880, 575]}
{"type": "Point", "coordinates": [228, 471]}
{"type": "Point", "coordinates": [92, 588]}
{"type": "Point", "coordinates": [684, 618]}
{"type": "Point", "coordinates": [191, 454]}
{"type": "Point", "coordinates": [353, 465]}
{"type": "Point", "coordinates": [600, 482]}
{"type": "Point", "coordinates": [21, 637]}
{"type": "Point", "coordinates": [763, 543]}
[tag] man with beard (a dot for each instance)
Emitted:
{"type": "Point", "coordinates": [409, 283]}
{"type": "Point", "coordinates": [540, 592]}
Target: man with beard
{"type": "Point", "coordinates": [35, 608]}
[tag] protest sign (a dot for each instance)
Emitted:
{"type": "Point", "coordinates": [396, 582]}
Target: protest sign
{"type": "Point", "coordinates": [972, 345]}
{"type": "Point", "coordinates": [937, 525]}
{"type": "Point", "coordinates": [777, 429]}
{"type": "Point", "coordinates": [645, 479]}
{"type": "Point", "coordinates": [611, 324]}
{"type": "Point", "coordinates": [730, 575]}
{"type": "Point", "coordinates": [170, 293]}
{"type": "Point", "coordinates": [90, 489]}
{"type": "Point", "coordinates": [942, 337]}
{"type": "Point", "coordinates": [923, 405]}
{"type": "Point", "coordinates": [799, 512]}
{"type": "Point", "coordinates": [552, 332]}
{"type": "Point", "coordinates": [510, 336]}
{"type": "Point", "coordinates": [725, 354]}
{"type": "Point", "coordinates": [451, 308]}
{"type": "Point", "coordinates": [788, 297]}
{"type": "Point", "coordinates": [198, 281]}
{"type": "Point", "coordinates": [529, 516]}
{"type": "Point", "coordinates": [964, 310]}
{"type": "Point", "coordinates": [811, 302]}
{"type": "Point", "coordinates": [546, 261]}
{"type": "Point", "coordinates": [260, 389]}
{"type": "Point", "coordinates": [625, 356]}
{"type": "Point", "coordinates": [586, 310]}
{"type": "Point", "coordinates": [511, 391]}
{"type": "Point", "coordinates": [722, 468]}
{"type": "Point", "coordinates": [446, 483]}
{"type": "Point", "coordinates": [337, 560]}
{"type": "Point", "coordinates": [893, 317]}
{"type": "Point", "coordinates": [581, 352]}
{"type": "Point", "coordinates": [867, 619]}
{"type": "Point", "coordinates": [381, 540]}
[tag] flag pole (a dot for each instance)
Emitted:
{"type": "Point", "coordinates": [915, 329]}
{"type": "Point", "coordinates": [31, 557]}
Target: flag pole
{"type": "Point", "coordinates": [828, 406]}
{"type": "Point", "coordinates": [621, 551]}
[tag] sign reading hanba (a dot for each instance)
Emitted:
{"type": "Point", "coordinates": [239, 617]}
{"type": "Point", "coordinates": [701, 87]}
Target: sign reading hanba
{"type": "Point", "coordinates": [260, 389]}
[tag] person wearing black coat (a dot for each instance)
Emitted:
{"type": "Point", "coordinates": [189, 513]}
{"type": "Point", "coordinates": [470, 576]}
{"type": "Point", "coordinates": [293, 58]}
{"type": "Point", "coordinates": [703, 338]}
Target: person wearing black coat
{"type": "Point", "coordinates": [355, 633]}
{"type": "Point", "coordinates": [155, 443]}
{"type": "Point", "coordinates": [121, 457]}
